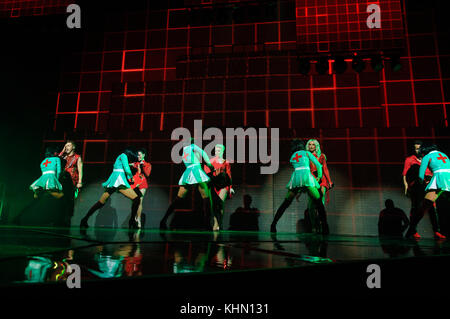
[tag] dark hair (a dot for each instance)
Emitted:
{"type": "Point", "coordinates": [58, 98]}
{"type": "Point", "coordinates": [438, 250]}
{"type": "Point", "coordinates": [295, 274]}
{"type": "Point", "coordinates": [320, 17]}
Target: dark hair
{"type": "Point", "coordinates": [131, 154]}
{"type": "Point", "coordinates": [143, 151]}
{"type": "Point", "coordinates": [50, 151]}
{"type": "Point", "coordinates": [389, 203]}
{"type": "Point", "coordinates": [420, 142]}
{"type": "Point", "coordinates": [297, 145]}
{"type": "Point", "coordinates": [425, 149]}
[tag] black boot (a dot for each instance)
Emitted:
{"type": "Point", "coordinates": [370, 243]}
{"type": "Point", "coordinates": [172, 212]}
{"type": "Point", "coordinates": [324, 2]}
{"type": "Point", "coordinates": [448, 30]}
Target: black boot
{"type": "Point", "coordinates": [92, 210]}
{"type": "Point", "coordinates": [322, 217]}
{"type": "Point", "coordinates": [207, 214]}
{"type": "Point", "coordinates": [175, 204]}
{"type": "Point", "coordinates": [132, 224]}
{"type": "Point", "coordinates": [286, 203]}
{"type": "Point", "coordinates": [417, 215]}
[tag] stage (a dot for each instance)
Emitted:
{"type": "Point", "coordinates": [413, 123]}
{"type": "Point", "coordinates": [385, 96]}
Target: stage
{"type": "Point", "coordinates": [226, 263]}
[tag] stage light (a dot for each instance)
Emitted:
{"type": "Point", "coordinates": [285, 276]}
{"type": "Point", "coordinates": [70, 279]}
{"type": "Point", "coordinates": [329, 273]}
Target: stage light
{"type": "Point", "coordinates": [304, 66]}
{"type": "Point", "coordinates": [322, 65]}
{"type": "Point", "coordinates": [339, 65]}
{"type": "Point", "coordinates": [377, 63]}
{"type": "Point", "coordinates": [395, 63]}
{"type": "Point", "coordinates": [358, 64]}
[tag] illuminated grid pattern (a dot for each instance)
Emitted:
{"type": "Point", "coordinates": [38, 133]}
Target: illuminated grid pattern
{"type": "Point", "coordinates": [153, 73]}
{"type": "Point", "coordinates": [341, 26]}
{"type": "Point", "coordinates": [19, 8]}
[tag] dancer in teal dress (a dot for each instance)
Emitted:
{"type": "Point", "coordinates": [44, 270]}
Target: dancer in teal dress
{"type": "Point", "coordinates": [193, 176]}
{"type": "Point", "coordinates": [48, 182]}
{"type": "Point", "coordinates": [302, 180]}
{"type": "Point", "coordinates": [439, 164]}
{"type": "Point", "coordinates": [118, 181]}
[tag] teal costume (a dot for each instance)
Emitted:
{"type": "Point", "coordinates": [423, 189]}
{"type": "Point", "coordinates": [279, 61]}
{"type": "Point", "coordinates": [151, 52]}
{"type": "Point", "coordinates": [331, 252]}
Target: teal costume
{"type": "Point", "coordinates": [51, 169]}
{"type": "Point", "coordinates": [439, 164]}
{"type": "Point", "coordinates": [302, 176]}
{"type": "Point", "coordinates": [194, 173]}
{"type": "Point", "coordinates": [120, 175]}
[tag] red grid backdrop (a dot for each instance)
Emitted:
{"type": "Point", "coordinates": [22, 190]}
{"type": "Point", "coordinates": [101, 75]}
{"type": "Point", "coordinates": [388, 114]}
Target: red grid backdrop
{"type": "Point", "coordinates": [155, 75]}
{"type": "Point", "coordinates": [341, 26]}
{"type": "Point", "coordinates": [19, 8]}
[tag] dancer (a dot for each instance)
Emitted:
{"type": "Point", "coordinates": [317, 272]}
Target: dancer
{"type": "Point", "coordinates": [140, 185]}
{"type": "Point", "coordinates": [117, 181]}
{"type": "Point", "coordinates": [414, 189]}
{"type": "Point", "coordinates": [326, 184]}
{"type": "Point", "coordinates": [74, 165]}
{"type": "Point", "coordinates": [221, 182]}
{"type": "Point", "coordinates": [439, 164]}
{"type": "Point", "coordinates": [192, 176]}
{"type": "Point", "coordinates": [48, 182]}
{"type": "Point", "coordinates": [302, 180]}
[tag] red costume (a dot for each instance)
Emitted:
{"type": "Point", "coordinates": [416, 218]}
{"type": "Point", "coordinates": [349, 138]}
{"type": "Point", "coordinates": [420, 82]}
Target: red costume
{"type": "Point", "coordinates": [143, 171]}
{"type": "Point", "coordinates": [72, 167]}
{"type": "Point", "coordinates": [326, 179]}
{"type": "Point", "coordinates": [414, 160]}
{"type": "Point", "coordinates": [224, 167]}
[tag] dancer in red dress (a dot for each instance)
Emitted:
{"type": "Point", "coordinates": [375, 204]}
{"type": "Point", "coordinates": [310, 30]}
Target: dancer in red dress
{"type": "Point", "coordinates": [414, 188]}
{"type": "Point", "coordinates": [221, 182]}
{"type": "Point", "coordinates": [140, 185]}
{"type": "Point", "coordinates": [326, 184]}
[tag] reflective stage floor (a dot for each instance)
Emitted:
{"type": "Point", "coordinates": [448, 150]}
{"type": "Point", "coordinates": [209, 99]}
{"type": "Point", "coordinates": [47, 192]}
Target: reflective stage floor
{"type": "Point", "coordinates": [228, 262]}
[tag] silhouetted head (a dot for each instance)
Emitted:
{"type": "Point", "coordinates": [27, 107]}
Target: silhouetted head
{"type": "Point", "coordinates": [247, 200]}
{"type": "Point", "coordinates": [131, 154]}
{"type": "Point", "coordinates": [425, 149]}
{"type": "Point", "coordinates": [297, 145]}
{"type": "Point", "coordinates": [51, 151]}
{"type": "Point", "coordinates": [389, 203]}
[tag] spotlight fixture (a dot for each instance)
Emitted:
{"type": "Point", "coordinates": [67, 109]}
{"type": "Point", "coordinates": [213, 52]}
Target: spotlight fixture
{"type": "Point", "coordinates": [395, 63]}
{"type": "Point", "coordinates": [358, 64]}
{"type": "Point", "coordinates": [322, 65]}
{"type": "Point", "coordinates": [377, 63]}
{"type": "Point", "coordinates": [339, 65]}
{"type": "Point", "coordinates": [304, 66]}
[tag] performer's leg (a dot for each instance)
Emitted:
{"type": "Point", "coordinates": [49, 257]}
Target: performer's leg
{"type": "Point", "coordinates": [175, 204]}
{"type": "Point", "coordinates": [206, 198]}
{"type": "Point", "coordinates": [416, 194]}
{"type": "Point", "coordinates": [101, 202]}
{"type": "Point", "coordinates": [284, 205]}
{"type": "Point", "coordinates": [135, 198]}
{"type": "Point", "coordinates": [428, 206]}
{"type": "Point", "coordinates": [139, 211]}
{"type": "Point", "coordinates": [315, 195]}
{"type": "Point", "coordinates": [312, 215]}
{"type": "Point", "coordinates": [218, 212]}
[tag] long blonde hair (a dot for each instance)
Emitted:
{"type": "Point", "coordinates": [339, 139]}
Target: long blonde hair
{"type": "Point", "coordinates": [316, 142]}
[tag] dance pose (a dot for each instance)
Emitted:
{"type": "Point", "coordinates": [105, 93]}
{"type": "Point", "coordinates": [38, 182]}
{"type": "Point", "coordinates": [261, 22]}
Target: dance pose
{"type": "Point", "coordinates": [221, 182]}
{"type": "Point", "coordinates": [193, 176]}
{"type": "Point", "coordinates": [302, 180]}
{"type": "Point", "coordinates": [414, 188]}
{"type": "Point", "coordinates": [439, 164]}
{"type": "Point", "coordinates": [118, 181]}
{"type": "Point", "coordinates": [326, 184]}
{"type": "Point", "coordinates": [48, 182]}
{"type": "Point", "coordinates": [140, 185]}
{"type": "Point", "coordinates": [74, 164]}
